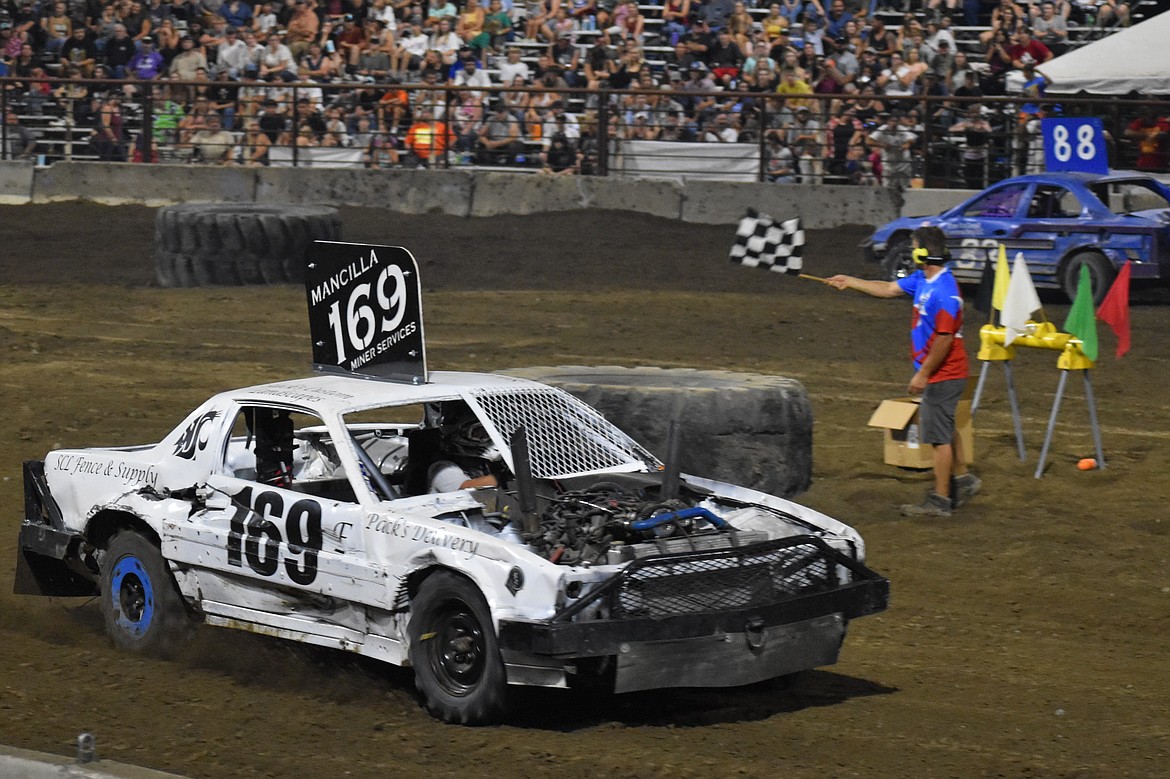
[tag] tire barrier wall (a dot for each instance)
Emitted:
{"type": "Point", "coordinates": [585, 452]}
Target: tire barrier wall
{"type": "Point", "coordinates": [465, 192]}
{"type": "Point", "coordinates": [201, 244]}
{"type": "Point", "coordinates": [743, 428]}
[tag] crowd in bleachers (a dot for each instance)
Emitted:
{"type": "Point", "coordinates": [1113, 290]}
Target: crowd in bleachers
{"type": "Point", "coordinates": [366, 76]}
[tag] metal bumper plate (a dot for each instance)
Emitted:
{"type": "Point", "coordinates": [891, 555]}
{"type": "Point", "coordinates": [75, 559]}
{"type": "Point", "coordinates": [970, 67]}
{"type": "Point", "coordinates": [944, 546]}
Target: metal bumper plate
{"type": "Point", "coordinates": [730, 659]}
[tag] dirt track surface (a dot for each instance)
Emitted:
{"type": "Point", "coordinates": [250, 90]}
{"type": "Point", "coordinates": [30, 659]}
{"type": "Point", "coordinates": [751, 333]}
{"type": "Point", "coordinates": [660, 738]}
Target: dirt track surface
{"type": "Point", "coordinates": [1026, 637]}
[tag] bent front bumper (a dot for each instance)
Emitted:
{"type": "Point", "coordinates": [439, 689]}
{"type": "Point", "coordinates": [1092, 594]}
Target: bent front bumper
{"type": "Point", "coordinates": [713, 619]}
{"type": "Point", "coordinates": [48, 560]}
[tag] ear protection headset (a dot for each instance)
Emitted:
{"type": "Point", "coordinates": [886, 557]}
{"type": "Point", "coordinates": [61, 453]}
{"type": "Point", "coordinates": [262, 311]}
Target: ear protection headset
{"type": "Point", "coordinates": [924, 257]}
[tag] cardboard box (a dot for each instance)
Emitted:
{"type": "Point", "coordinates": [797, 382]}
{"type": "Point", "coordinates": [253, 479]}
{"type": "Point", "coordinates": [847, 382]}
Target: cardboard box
{"type": "Point", "coordinates": [899, 418]}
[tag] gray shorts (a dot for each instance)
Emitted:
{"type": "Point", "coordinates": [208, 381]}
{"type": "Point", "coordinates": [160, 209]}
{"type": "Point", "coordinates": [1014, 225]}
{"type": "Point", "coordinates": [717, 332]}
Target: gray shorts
{"type": "Point", "coordinates": [937, 412]}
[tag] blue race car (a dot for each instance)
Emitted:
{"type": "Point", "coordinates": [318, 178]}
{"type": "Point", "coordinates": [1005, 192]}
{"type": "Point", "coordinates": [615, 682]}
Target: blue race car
{"type": "Point", "coordinates": [1060, 221]}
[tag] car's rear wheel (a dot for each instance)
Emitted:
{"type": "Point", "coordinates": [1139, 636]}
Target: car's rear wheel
{"type": "Point", "coordinates": [453, 648]}
{"type": "Point", "coordinates": [143, 609]}
{"type": "Point", "coordinates": [898, 261]}
{"type": "Point", "coordinates": [1101, 274]}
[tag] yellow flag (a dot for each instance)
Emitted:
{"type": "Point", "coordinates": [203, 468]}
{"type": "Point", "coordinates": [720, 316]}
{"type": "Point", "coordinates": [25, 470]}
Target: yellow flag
{"type": "Point", "coordinates": [1002, 280]}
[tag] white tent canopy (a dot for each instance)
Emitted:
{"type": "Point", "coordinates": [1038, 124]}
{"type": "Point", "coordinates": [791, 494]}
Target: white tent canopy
{"type": "Point", "coordinates": [1132, 60]}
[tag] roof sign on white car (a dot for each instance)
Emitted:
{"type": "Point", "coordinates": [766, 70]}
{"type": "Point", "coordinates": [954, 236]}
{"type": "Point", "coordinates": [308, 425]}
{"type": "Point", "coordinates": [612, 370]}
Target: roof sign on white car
{"type": "Point", "coordinates": [365, 311]}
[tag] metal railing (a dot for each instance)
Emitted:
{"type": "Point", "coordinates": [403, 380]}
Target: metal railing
{"type": "Point", "coordinates": [681, 133]}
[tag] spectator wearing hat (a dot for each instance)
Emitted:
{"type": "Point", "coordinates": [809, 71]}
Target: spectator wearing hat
{"type": "Point", "coordinates": [726, 59]}
{"type": "Point", "coordinates": [699, 40]}
{"type": "Point", "coordinates": [471, 75]}
{"type": "Point", "coordinates": [147, 63]}
{"type": "Point", "coordinates": [428, 139]}
{"type": "Point", "coordinates": [568, 58]}
{"type": "Point", "coordinates": [499, 138]}
{"type": "Point", "coordinates": [80, 51]}
{"type": "Point", "coordinates": [188, 60]}
{"type": "Point", "coordinates": [942, 61]}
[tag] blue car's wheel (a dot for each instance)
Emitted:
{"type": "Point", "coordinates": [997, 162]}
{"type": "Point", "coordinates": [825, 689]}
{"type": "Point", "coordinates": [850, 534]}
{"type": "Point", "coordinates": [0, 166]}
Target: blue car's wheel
{"type": "Point", "coordinates": [141, 604]}
{"type": "Point", "coordinates": [898, 262]}
{"type": "Point", "coordinates": [1101, 275]}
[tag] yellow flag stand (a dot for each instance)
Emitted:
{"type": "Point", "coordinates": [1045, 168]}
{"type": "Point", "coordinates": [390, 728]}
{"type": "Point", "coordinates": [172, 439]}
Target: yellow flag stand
{"type": "Point", "coordinates": [1039, 335]}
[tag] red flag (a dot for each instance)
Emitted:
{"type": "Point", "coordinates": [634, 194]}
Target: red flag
{"type": "Point", "coordinates": [1114, 309]}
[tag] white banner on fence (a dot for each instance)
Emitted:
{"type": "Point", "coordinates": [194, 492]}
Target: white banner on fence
{"type": "Point", "coordinates": [315, 157]}
{"type": "Point", "coordinates": [689, 161]}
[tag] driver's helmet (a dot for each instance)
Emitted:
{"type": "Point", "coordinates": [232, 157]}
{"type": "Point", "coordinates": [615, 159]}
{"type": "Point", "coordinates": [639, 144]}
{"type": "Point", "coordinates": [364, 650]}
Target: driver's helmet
{"type": "Point", "coordinates": [464, 435]}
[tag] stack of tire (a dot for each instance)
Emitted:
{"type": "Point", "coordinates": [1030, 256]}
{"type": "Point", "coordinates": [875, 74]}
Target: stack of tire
{"type": "Point", "coordinates": [207, 244]}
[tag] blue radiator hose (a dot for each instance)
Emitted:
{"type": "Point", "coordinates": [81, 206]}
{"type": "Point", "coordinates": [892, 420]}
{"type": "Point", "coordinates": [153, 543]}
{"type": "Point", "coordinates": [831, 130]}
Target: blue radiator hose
{"type": "Point", "coordinates": [691, 513]}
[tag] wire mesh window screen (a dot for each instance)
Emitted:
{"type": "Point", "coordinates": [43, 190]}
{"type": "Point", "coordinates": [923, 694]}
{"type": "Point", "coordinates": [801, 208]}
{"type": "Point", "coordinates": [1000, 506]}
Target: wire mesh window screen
{"type": "Point", "coordinates": [565, 436]}
{"type": "Point", "coordinates": [663, 588]}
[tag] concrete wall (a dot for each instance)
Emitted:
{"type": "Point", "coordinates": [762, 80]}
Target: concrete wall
{"type": "Point", "coordinates": [460, 192]}
{"type": "Point", "coordinates": [16, 182]}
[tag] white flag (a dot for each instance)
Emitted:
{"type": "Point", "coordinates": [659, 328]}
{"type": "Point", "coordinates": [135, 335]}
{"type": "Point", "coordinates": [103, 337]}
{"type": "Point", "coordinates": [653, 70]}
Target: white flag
{"type": "Point", "coordinates": [1020, 302]}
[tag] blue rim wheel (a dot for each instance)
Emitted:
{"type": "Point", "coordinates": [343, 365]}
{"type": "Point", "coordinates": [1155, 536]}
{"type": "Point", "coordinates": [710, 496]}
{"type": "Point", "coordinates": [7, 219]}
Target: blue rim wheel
{"type": "Point", "coordinates": [143, 608]}
{"type": "Point", "coordinates": [132, 596]}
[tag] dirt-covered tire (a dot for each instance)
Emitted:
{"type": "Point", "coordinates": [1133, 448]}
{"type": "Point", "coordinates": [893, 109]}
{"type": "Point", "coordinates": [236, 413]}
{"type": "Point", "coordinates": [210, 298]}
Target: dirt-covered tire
{"type": "Point", "coordinates": [143, 609]}
{"type": "Point", "coordinates": [744, 428]}
{"type": "Point", "coordinates": [457, 666]}
{"type": "Point", "coordinates": [898, 261]}
{"type": "Point", "coordinates": [1101, 273]}
{"type": "Point", "coordinates": [206, 244]}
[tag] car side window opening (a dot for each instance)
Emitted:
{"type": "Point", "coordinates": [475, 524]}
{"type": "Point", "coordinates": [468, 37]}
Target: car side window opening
{"type": "Point", "coordinates": [1050, 201]}
{"type": "Point", "coordinates": [1002, 202]}
{"type": "Point", "coordinates": [287, 449]}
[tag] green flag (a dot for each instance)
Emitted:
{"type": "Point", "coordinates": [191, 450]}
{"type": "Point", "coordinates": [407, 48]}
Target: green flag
{"type": "Point", "coordinates": [1081, 322]}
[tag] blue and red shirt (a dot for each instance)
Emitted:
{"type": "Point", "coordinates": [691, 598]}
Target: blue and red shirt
{"type": "Point", "coordinates": [938, 309]}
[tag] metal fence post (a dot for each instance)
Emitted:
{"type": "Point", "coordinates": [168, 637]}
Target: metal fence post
{"type": "Point", "coordinates": [296, 130]}
{"type": "Point", "coordinates": [603, 133]}
{"type": "Point", "coordinates": [762, 174]}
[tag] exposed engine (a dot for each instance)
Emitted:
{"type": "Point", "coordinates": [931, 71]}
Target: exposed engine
{"type": "Point", "coordinates": [608, 523]}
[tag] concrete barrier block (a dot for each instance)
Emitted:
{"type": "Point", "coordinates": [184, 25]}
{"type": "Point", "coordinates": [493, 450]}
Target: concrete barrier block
{"type": "Point", "coordinates": [722, 202]}
{"type": "Point", "coordinates": [116, 183]}
{"type": "Point", "coordinates": [402, 191]}
{"type": "Point", "coordinates": [514, 193]}
{"type": "Point", "coordinates": [517, 193]}
{"type": "Point", "coordinates": [657, 198]}
{"type": "Point", "coordinates": [16, 182]}
{"type": "Point", "coordinates": [928, 202]}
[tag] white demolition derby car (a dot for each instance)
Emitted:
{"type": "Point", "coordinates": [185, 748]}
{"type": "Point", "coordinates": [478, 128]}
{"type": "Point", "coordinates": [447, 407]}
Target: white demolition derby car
{"type": "Point", "coordinates": [567, 555]}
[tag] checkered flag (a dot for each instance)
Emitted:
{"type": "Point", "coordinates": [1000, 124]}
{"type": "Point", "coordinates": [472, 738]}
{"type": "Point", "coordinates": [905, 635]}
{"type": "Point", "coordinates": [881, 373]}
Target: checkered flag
{"type": "Point", "coordinates": [762, 242]}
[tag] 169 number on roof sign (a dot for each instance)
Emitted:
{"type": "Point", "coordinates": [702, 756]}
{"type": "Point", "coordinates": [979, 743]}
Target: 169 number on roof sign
{"type": "Point", "coordinates": [365, 310]}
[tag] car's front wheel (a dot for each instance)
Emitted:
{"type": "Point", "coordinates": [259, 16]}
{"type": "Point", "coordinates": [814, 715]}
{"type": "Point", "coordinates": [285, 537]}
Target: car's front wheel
{"type": "Point", "coordinates": [457, 666]}
{"type": "Point", "coordinates": [143, 609]}
{"type": "Point", "coordinates": [898, 261]}
{"type": "Point", "coordinates": [1101, 274]}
